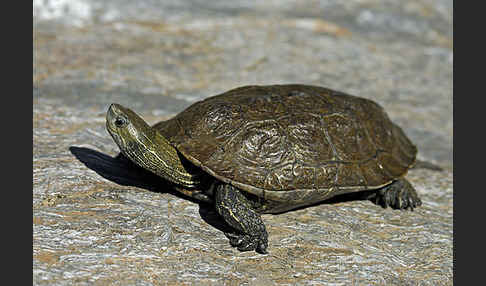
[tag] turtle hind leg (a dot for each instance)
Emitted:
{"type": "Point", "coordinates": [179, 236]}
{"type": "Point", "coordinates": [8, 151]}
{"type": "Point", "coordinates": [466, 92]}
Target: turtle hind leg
{"type": "Point", "coordinates": [249, 232]}
{"type": "Point", "coordinates": [398, 195]}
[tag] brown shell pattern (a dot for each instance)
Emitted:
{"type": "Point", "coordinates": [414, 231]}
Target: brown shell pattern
{"type": "Point", "coordinates": [279, 140]}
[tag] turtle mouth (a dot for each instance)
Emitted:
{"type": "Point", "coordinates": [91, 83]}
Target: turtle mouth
{"type": "Point", "coordinates": [114, 111]}
{"type": "Point", "coordinates": [112, 114]}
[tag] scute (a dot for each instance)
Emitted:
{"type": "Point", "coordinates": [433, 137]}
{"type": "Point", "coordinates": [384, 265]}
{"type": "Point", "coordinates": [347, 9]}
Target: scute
{"type": "Point", "coordinates": [292, 141]}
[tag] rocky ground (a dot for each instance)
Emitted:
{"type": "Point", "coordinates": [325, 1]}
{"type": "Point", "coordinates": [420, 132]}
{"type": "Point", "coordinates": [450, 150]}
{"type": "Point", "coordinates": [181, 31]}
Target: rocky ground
{"type": "Point", "coordinates": [97, 221]}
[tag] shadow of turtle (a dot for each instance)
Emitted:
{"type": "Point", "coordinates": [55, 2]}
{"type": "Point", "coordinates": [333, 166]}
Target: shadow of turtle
{"type": "Point", "coordinates": [118, 169]}
{"type": "Point", "coordinates": [122, 171]}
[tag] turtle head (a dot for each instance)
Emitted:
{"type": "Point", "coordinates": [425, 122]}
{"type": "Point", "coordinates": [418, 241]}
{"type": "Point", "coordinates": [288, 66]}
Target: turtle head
{"type": "Point", "coordinates": [146, 147]}
{"type": "Point", "coordinates": [127, 128]}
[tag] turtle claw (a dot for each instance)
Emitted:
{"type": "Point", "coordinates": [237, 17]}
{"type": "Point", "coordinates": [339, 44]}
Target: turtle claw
{"type": "Point", "coordinates": [398, 195]}
{"type": "Point", "coordinates": [262, 247]}
{"type": "Point", "coordinates": [234, 239]}
{"type": "Point", "coordinates": [245, 242]}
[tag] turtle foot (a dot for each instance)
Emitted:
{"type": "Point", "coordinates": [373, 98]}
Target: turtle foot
{"type": "Point", "coordinates": [245, 242]}
{"type": "Point", "coordinates": [398, 195]}
{"type": "Point", "coordinates": [249, 232]}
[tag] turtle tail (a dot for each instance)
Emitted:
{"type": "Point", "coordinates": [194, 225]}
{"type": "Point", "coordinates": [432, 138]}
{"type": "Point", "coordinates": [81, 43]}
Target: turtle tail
{"type": "Point", "coordinates": [419, 164]}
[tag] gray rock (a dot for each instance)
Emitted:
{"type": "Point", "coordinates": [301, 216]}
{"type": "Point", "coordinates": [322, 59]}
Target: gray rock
{"type": "Point", "coordinates": [97, 221]}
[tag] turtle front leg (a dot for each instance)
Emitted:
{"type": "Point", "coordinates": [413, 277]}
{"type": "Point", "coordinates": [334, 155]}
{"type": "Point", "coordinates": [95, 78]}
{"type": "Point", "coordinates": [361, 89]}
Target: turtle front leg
{"type": "Point", "coordinates": [398, 195]}
{"type": "Point", "coordinates": [249, 230]}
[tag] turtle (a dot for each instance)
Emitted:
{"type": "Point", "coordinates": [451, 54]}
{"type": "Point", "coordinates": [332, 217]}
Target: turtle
{"type": "Point", "coordinates": [270, 149]}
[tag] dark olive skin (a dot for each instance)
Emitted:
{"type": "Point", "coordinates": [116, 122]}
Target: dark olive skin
{"type": "Point", "coordinates": [269, 149]}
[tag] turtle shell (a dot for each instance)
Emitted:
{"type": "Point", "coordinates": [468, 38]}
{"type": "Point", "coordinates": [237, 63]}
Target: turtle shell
{"type": "Point", "coordinates": [292, 143]}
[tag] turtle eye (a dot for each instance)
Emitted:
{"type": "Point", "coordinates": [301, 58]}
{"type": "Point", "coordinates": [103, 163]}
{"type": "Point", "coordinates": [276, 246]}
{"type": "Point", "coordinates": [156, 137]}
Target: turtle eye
{"type": "Point", "coordinates": [120, 121]}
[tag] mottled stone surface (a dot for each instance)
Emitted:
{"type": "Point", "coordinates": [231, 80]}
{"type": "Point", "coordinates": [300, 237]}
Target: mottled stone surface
{"type": "Point", "coordinates": [97, 221]}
